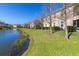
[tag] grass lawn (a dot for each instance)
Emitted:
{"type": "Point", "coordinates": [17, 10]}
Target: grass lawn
{"type": "Point", "coordinates": [44, 44]}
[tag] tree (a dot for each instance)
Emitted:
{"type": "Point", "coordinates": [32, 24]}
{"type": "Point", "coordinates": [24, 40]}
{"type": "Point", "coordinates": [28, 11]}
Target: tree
{"type": "Point", "coordinates": [48, 12]}
{"type": "Point", "coordinates": [38, 24]}
{"type": "Point", "coordinates": [65, 21]}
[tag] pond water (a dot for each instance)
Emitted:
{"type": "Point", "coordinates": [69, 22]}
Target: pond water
{"type": "Point", "coordinates": [7, 38]}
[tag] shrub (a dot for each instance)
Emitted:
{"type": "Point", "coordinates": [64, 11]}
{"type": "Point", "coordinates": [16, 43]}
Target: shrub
{"type": "Point", "coordinates": [56, 28]}
{"type": "Point", "coordinates": [71, 28]}
{"type": "Point", "coordinates": [38, 27]}
{"type": "Point", "coordinates": [1, 28]}
{"type": "Point", "coordinates": [53, 28]}
{"type": "Point", "coordinates": [46, 28]}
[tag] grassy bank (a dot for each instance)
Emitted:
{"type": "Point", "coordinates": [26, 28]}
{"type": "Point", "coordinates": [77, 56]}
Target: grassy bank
{"type": "Point", "coordinates": [44, 44]}
{"type": "Point", "coordinates": [19, 41]}
{"type": "Point", "coordinates": [20, 45]}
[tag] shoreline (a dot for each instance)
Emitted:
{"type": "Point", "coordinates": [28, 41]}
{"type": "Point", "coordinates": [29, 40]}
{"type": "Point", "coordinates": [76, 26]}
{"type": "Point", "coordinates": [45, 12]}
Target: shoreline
{"type": "Point", "coordinates": [20, 44]}
{"type": "Point", "coordinates": [29, 48]}
{"type": "Point", "coordinates": [30, 43]}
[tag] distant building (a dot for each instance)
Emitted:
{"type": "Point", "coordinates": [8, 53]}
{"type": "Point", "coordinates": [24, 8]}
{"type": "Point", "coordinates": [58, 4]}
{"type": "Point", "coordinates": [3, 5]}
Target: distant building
{"type": "Point", "coordinates": [15, 26]}
{"type": "Point", "coordinates": [2, 24]}
{"type": "Point", "coordinates": [32, 25]}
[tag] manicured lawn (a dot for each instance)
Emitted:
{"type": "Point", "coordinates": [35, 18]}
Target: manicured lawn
{"type": "Point", "coordinates": [44, 44]}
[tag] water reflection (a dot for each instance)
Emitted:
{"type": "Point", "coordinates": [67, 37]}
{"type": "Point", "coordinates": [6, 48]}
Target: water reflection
{"type": "Point", "coordinates": [7, 37]}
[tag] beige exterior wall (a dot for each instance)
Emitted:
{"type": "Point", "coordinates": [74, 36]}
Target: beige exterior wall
{"type": "Point", "coordinates": [32, 25]}
{"type": "Point", "coordinates": [70, 16]}
{"type": "Point", "coordinates": [57, 18]}
{"type": "Point", "coordinates": [14, 26]}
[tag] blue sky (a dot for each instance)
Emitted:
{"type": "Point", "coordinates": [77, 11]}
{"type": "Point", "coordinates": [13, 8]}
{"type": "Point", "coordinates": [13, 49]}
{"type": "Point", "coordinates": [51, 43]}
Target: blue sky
{"type": "Point", "coordinates": [20, 13]}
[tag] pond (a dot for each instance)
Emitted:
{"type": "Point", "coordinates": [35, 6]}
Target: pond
{"type": "Point", "coordinates": [7, 38]}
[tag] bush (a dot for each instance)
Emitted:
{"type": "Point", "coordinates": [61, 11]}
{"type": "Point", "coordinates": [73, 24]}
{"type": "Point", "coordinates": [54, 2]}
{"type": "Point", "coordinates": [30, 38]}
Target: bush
{"type": "Point", "coordinates": [8, 27]}
{"type": "Point", "coordinates": [71, 28]}
{"type": "Point", "coordinates": [46, 28]}
{"type": "Point", "coordinates": [56, 28]}
{"type": "Point", "coordinates": [38, 27]}
{"type": "Point", "coordinates": [20, 26]}
{"type": "Point", "coordinates": [1, 28]}
{"type": "Point", "coordinates": [53, 28]}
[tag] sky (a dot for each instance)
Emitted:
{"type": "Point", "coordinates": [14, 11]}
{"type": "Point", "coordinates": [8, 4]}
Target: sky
{"type": "Point", "coordinates": [21, 13]}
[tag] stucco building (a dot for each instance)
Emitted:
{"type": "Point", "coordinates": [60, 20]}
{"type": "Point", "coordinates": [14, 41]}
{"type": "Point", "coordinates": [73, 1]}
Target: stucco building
{"type": "Point", "coordinates": [72, 15]}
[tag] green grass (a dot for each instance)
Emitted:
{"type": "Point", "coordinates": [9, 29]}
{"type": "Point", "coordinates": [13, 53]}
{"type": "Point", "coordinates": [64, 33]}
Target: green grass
{"type": "Point", "coordinates": [44, 44]}
{"type": "Point", "coordinates": [19, 42]}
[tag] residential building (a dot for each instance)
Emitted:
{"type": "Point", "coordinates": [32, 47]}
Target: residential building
{"type": "Point", "coordinates": [2, 24]}
{"type": "Point", "coordinates": [14, 26]}
{"type": "Point", "coordinates": [72, 15]}
{"type": "Point", "coordinates": [31, 25]}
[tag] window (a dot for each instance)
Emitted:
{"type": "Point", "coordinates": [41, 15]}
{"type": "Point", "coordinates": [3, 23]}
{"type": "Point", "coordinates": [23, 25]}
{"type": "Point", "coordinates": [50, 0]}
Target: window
{"type": "Point", "coordinates": [77, 13]}
{"type": "Point", "coordinates": [62, 24]}
{"type": "Point", "coordinates": [77, 23]}
{"type": "Point", "coordinates": [45, 25]}
{"type": "Point", "coordinates": [62, 14]}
